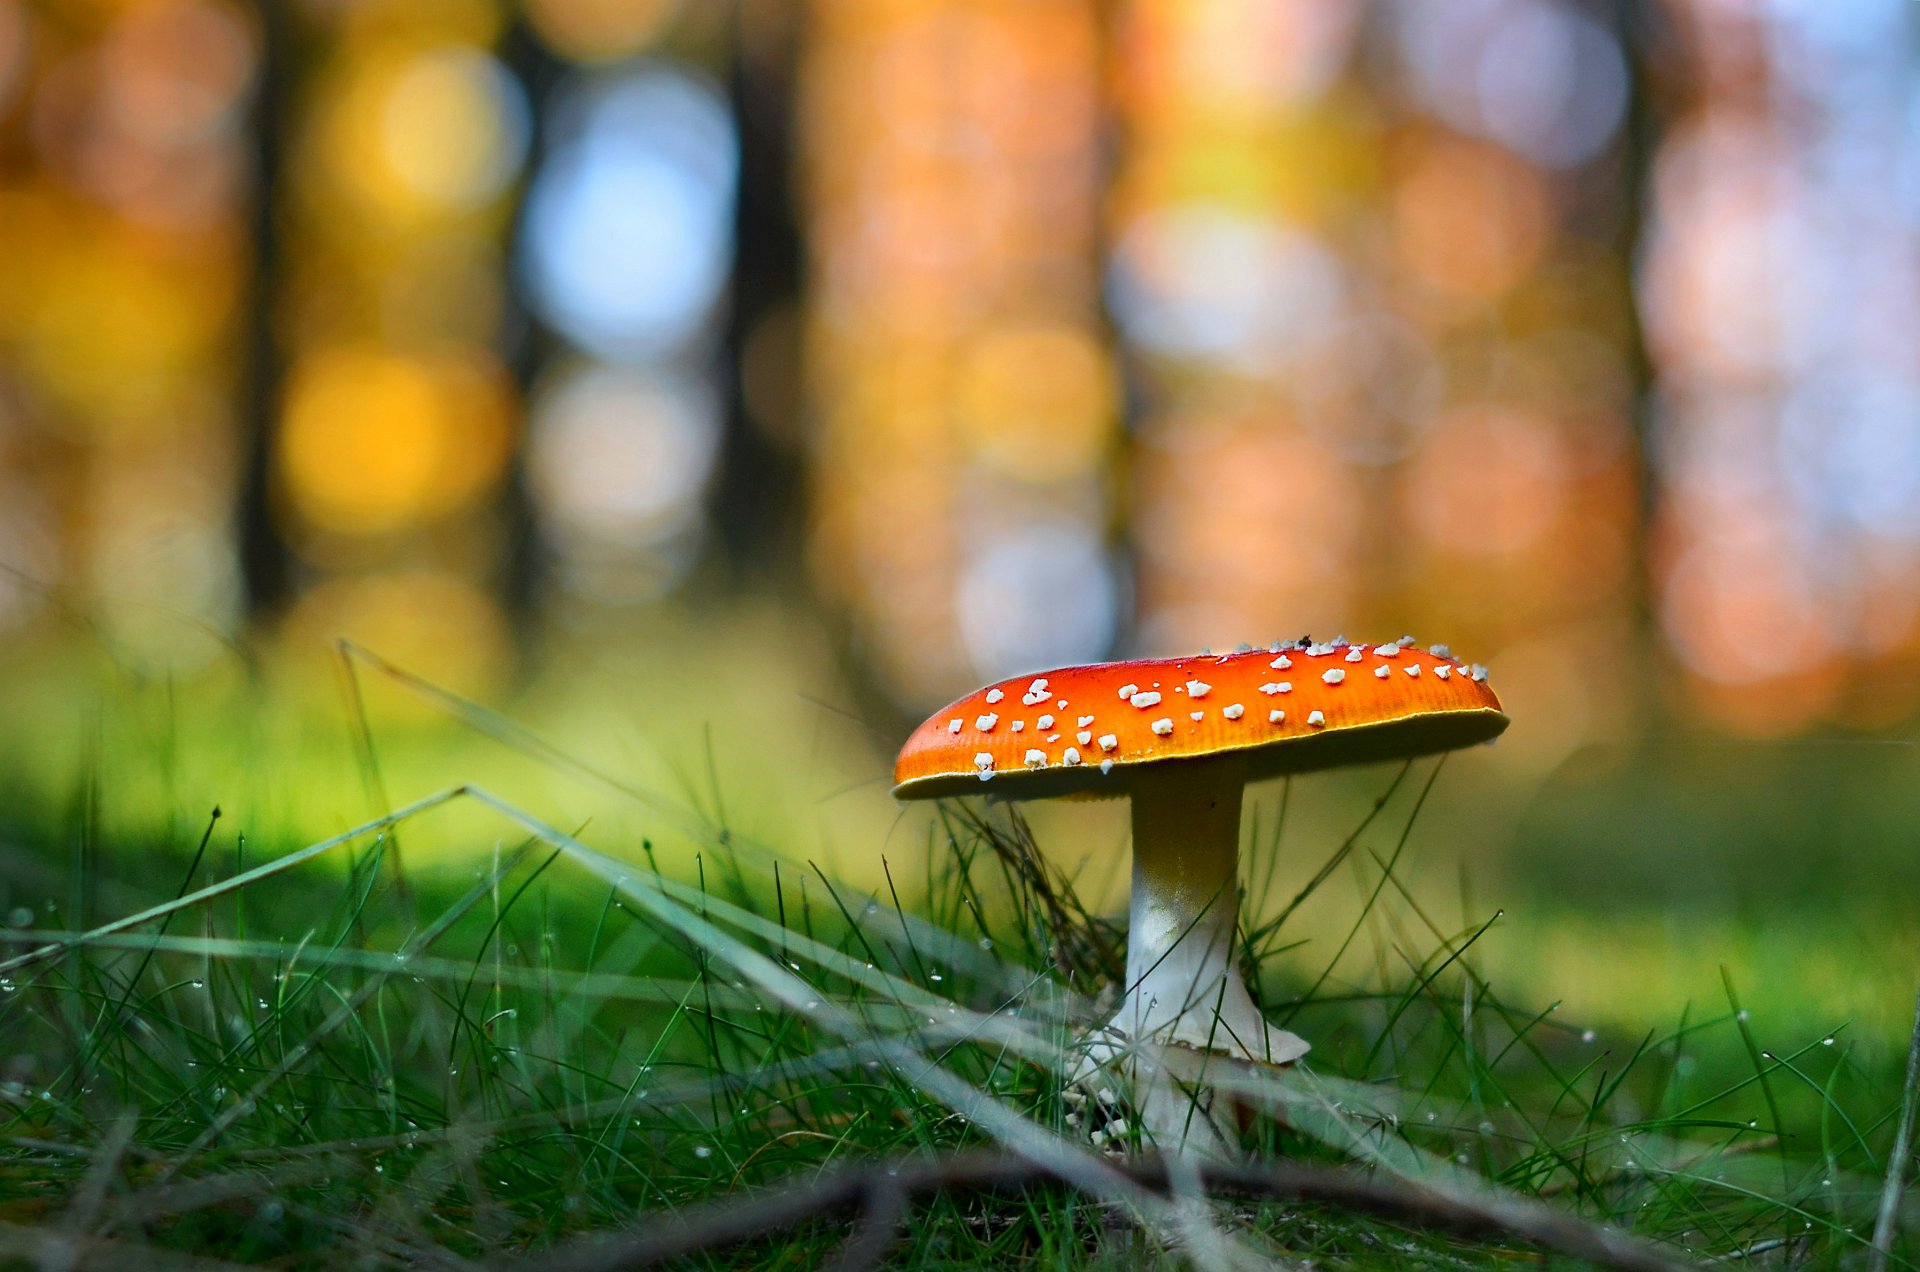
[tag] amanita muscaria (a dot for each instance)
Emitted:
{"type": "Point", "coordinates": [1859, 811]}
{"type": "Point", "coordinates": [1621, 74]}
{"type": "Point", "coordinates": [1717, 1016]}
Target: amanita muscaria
{"type": "Point", "coordinates": [1181, 737]}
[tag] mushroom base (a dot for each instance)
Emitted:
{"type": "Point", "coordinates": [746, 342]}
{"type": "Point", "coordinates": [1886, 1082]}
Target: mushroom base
{"type": "Point", "coordinates": [1186, 1010]}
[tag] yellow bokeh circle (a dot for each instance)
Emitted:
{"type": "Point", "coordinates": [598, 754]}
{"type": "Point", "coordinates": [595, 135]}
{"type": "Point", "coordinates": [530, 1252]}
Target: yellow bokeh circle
{"type": "Point", "coordinates": [373, 441]}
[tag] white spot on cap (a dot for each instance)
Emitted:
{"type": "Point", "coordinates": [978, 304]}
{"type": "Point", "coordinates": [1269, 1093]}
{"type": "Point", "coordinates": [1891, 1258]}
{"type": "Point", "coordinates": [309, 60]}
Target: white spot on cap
{"type": "Point", "coordinates": [1070, 756]}
{"type": "Point", "coordinates": [1144, 699]}
{"type": "Point", "coordinates": [1083, 737]}
{"type": "Point", "coordinates": [1333, 675]}
{"type": "Point", "coordinates": [986, 775]}
{"type": "Point", "coordinates": [1275, 717]}
{"type": "Point", "coordinates": [1019, 725]}
{"type": "Point", "coordinates": [1196, 716]}
{"type": "Point", "coordinates": [1106, 766]}
{"type": "Point", "coordinates": [1127, 691]}
{"type": "Point", "coordinates": [1062, 704]}
{"type": "Point", "coordinates": [994, 695]}
{"type": "Point", "coordinates": [1233, 712]}
{"type": "Point", "coordinates": [1479, 672]}
{"type": "Point", "coordinates": [1036, 759]}
{"type": "Point", "coordinates": [1279, 686]}
{"type": "Point", "coordinates": [1321, 651]}
{"type": "Point", "coordinates": [1053, 737]}
{"type": "Point", "coordinates": [1317, 719]}
{"type": "Point", "coordinates": [1281, 663]}
{"type": "Point", "coordinates": [1085, 721]}
{"type": "Point", "coordinates": [1033, 699]}
{"type": "Point", "coordinates": [1387, 651]}
{"type": "Point", "coordinates": [953, 725]}
{"type": "Point", "coordinates": [984, 760]}
{"type": "Point", "coordinates": [1414, 670]}
{"type": "Point", "coordinates": [1108, 741]}
{"type": "Point", "coordinates": [1356, 653]}
{"type": "Point", "coordinates": [1440, 651]}
{"type": "Point", "coordinates": [1197, 688]}
{"type": "Point", "coordinates": [1163, 726]}
{"type": "Point", "coordinates": [1443, 671]}
{"type": "Point", "coordinates": [1044, 722]}
{"type": "Point", "coordinates": [1381, 671]}
{"type": "Point", "coordinates": [986, 722]}
{"type": "Point", "coordinates": [1038, 686]}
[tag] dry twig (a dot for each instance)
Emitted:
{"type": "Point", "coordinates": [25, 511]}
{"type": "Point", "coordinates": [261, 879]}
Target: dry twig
{"type": "Point", "coordinates": [1883, 1228]}
{"type": "Point", "coordinates": [883, 1187]}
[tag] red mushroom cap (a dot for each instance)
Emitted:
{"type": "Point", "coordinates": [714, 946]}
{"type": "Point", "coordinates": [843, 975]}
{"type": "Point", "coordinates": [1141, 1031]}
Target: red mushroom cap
{"type": "Point", "coordinates": [1285, 709]}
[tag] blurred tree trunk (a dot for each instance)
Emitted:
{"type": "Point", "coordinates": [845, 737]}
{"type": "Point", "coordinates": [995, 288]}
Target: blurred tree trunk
{"type": "Point", "coordinates": [264, 564]}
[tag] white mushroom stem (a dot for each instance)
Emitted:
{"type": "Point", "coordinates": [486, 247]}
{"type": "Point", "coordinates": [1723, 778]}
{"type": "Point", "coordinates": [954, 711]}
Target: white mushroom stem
{"type": "Point", "coordinates": [1183, 977]}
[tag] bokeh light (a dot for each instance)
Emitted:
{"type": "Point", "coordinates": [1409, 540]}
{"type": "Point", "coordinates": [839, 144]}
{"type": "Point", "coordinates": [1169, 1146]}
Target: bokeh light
{"type": "Point", "coordinates": [600, 30]}
{"type": "Point", "coordinates": [619, 460]}
{"type": "Point", "coordinates": [628, 228]}
{"type": "Point", "coordinates": [372, 443]}
{"type": "Point", "coordinates": [1541, 77]}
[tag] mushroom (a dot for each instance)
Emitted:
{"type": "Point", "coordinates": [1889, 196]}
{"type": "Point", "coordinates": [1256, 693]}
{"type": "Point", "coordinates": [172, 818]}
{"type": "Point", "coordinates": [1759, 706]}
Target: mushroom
{"type": "Point", "coordinates": [1181, 737]}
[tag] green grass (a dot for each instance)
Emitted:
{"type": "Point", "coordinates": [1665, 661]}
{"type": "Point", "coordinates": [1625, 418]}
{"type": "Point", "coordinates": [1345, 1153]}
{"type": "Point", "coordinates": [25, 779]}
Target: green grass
{"type": "Point", "coordinates": [341, 1062]}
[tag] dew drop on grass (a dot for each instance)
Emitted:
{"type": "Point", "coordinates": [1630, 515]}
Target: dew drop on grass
{"type": "Point", "coordinates": [985, 942]}
{"type": "Point", "coordinates": [198, 984]}
{"type": "Point", "coordinates": [1826, 1042]}
{"type": "Point", "coordinates": [935, 976]}
{"type": "Point", "coordinates": [873, 907]}
{"type": "Point", "coordinates": [1587, 1035]}
{"type": "Point", "coordinates": [21, 916]}
{"type": "Point", "coordinates": [1741, 1014]}
{"type": "Point", "coordinates": [702, 1151]}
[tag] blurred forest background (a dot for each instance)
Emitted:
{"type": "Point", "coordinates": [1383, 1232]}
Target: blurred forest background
{"type": "Point", "coordinates": [839, 355]}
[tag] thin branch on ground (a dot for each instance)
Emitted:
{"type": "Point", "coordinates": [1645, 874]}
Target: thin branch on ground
{"type": "Point", "coordinates": [1883, 1228]}
{"type": "Point", "coordinates": [46, 1247]}
{"type": "Point", "coordinates": [883, 1185]}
